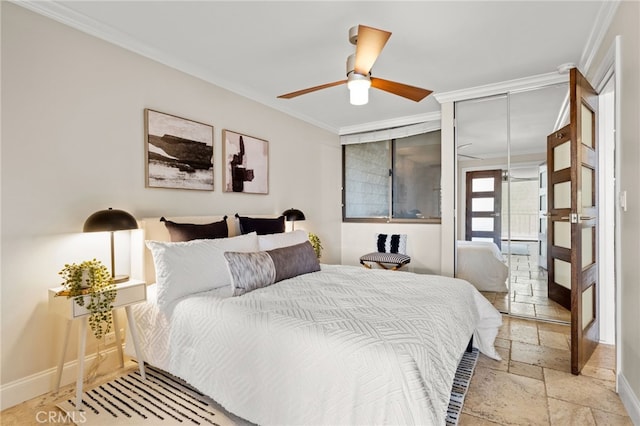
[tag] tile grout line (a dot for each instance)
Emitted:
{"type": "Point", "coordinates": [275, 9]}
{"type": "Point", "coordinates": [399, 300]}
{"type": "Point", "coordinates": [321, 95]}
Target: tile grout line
{"type": "Point", "coordinates": [544, 378]}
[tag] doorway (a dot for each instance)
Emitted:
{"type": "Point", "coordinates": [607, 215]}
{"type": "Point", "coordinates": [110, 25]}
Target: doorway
{"type": "Point", "coordinates": [483, 220]}
{"type": "Point", "coordinates": [470, 158]}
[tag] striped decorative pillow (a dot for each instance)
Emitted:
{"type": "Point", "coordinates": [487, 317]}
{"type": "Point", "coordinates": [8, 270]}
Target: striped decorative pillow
{"type": "Point", "coordinates": [251, 271]}
{"type": "Point", "coordinates": [391, 243]}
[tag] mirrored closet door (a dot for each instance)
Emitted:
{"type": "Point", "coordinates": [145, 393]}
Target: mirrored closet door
{"type": "Point", "coordinates": [501, 144]}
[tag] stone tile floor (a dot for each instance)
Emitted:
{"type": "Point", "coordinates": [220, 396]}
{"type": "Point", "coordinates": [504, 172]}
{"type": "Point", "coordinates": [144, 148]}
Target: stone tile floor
{"type": "Point", "coordinates": [532, 384]}
{"type": "Point", "coordinates": [528, 290]}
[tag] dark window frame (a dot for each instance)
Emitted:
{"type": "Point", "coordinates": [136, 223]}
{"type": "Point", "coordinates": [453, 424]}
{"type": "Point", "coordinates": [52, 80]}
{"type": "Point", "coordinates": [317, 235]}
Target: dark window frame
{"type": "Point", "coordinates": [381, 219]}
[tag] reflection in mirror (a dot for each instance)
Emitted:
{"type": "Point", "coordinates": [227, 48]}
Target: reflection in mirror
{"type": "Point", "coordinates": [509, 133]}
{"type": "Point", "coordinates": [482, 185]}
{"type": "Point", "coordinates": [481, 145]}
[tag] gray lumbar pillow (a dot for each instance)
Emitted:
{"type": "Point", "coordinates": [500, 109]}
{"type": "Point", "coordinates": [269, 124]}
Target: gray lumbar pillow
{"type": "Point", "coordinates": [250, 271]}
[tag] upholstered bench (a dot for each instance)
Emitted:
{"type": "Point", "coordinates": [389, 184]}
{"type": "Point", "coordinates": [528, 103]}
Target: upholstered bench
{"type": "Point", "coordinates": [392, 250]}
{"type": "Point", "coordinates": [382, 259]}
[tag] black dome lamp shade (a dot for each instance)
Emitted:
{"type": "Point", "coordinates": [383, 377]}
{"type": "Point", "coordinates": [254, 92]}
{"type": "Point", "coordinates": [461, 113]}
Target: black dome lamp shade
{"type": "Point", "coordinates": [291, 215]}
{"type": "Point", "coordinates": [111, 220]}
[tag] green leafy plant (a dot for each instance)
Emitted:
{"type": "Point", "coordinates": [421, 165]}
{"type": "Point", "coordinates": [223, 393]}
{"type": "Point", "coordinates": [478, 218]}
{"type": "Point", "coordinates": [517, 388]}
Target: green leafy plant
{"type": "Point", "coordinates": [317, 245]}
{"type": "Point", "coordinates": [91, 278]}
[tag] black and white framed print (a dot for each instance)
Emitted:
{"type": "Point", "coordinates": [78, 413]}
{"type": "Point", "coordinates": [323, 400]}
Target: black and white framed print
{"type": "Point", "coordinates": [246, 163]}
{"type": "Point", "coordinates": [178, 152]}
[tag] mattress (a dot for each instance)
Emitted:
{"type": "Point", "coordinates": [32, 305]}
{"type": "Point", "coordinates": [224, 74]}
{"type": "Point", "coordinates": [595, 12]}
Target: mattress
{"type": "Point", "coordinates": [344, 345]}
{"type": "Point", "coordinates": [482, 264]}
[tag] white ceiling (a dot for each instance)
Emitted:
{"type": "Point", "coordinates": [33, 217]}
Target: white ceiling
{"type": "Point", "coordinates": [523, 120]}
{"type": "Point", "coordinates": [263, 49]}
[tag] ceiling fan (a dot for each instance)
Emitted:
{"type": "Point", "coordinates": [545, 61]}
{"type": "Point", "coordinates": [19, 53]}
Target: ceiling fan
{"type": "Point", "coordinates": [467, 145]}
{"type": "Point", "coordinates": [369, 43]}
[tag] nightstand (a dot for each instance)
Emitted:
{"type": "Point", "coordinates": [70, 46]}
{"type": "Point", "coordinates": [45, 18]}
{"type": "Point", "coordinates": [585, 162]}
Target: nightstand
{"type": "Point", "coordinates": [128, 293]}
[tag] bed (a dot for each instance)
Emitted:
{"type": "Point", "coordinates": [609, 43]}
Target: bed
{"type": "Point", "coordinates": [340, 345]}
{"type": "Point", "coordinates": [482, 264]}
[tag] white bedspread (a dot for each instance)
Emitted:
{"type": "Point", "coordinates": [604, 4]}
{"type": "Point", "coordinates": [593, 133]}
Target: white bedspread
{"type": "Point", "coordinates": [482, 264]}
{"type": "Point", "coordinates": [344, 345]}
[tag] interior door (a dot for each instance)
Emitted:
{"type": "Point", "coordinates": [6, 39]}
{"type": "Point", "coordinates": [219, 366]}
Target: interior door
{"type": "Point", "coordinates": [572, 159]}
{"type": "Point", "coordinates": [483, 206]}
{"type": "Point", "coordinates": [559, 217]}
{"type": "Point", "coordinates": [542, 215]}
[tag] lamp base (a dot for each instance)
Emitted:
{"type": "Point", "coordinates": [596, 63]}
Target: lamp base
{"type": "Point", "coordinates": [120, 279]}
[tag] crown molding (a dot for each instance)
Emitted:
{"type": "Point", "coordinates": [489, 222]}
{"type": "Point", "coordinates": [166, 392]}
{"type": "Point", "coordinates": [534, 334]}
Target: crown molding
{"type": "Point", "coordinates": [391, 123]}
{"type": "Point", "coordinates": [73, 19]}
{"type": "Point", "coordinates": [515, 85]}
{"type": "Point", "coordinates": [69, 17]}
{"type": "Point", "coordinates": [596, 37]}
{"type": "Point", "coordinates": [78, 21]}
{"type": "Point", "coordinates": [599, 29]}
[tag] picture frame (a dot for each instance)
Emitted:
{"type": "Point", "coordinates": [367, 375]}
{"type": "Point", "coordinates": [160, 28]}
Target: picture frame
{"type": "Point", "coordinates": [178, 152]}
{"type": "Point", "coordinates": [246, 163]}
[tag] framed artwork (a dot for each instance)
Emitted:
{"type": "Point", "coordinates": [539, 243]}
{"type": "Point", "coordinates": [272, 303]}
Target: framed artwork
{"type": "Point", "coordinates": [178, 152]}
{"type": "Point", "coordinates": [246, 163]}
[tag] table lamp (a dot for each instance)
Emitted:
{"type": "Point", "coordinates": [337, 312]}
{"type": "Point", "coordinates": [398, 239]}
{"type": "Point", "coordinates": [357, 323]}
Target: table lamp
{"type": "Point", "coordinates": [292, 215]}
{"type": "Point", "coordinates": [110, 221]}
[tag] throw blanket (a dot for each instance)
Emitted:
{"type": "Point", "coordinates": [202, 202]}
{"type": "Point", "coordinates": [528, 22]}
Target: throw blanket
{"type": "Point", "coordinates": [344, 345]}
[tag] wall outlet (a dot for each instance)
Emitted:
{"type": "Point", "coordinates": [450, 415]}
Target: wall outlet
{"type": "Point", "coordinates": [110, 338]}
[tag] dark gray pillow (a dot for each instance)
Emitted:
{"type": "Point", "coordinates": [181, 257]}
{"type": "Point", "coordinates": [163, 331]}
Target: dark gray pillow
{"type": "Point", "coordinates": [250, 271]}
{"type": "Point", "coordinates": [295, 260]}
{"type": "Point", "coordinates": [191, 231]}
{"type": "Point", "coordinates": [261, 225]}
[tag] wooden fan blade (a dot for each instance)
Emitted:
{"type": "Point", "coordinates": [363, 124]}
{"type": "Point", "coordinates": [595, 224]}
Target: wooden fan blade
{"type": "Point", "coordinates": [410, 92]}
{"type": "Point", "coordinates": [370, 43]}
{"type": "Point", "coordinates": [311, 89]}
{"type": "Point", "coordinates": [471, 157]}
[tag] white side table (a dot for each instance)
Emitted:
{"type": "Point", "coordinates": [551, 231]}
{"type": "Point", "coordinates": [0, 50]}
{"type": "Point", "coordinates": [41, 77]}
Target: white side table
{"type": "Point", "coordinates": [128, 293]}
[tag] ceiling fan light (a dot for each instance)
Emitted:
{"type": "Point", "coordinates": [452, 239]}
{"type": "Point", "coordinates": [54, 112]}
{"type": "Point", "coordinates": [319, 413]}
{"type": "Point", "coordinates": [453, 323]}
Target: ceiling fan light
{"type": "Point", "coordinates": [359, 90]}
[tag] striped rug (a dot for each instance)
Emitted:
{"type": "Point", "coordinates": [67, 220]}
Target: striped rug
{"type": "Point", "coordinates": [160, 399]}
{"type": "Point", "coordinates": [164, 399]}
{"type": "Point", "coordinates": [461, 385]}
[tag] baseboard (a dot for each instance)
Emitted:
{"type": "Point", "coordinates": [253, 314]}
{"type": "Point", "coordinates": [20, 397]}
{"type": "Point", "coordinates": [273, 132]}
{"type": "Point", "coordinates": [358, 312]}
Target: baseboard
{"type": "Point", "coordinates": [29, 387]}
{"type": "Point", "coordinates": [629, 399]}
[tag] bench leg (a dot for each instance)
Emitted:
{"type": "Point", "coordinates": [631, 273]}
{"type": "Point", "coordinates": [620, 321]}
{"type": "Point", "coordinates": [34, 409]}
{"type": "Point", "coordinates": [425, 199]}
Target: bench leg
{"type": "Point", "coordinates": [383, 266]}
{"type": "Point", "coordinates": [365, 265]}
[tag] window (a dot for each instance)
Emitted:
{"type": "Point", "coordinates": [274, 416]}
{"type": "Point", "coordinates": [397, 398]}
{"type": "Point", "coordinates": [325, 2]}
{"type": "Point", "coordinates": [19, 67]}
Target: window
{"type": "Point", "coordinates": [393, 180]}
{"type": "Point", "coordinates": [523, 202]}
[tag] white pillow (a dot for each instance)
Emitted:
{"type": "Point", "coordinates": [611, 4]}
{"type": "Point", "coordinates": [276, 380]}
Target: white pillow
{"type": "Point", "coordinates": [284, 239]}
{"type": "Point", "coordinates": [183, 268]}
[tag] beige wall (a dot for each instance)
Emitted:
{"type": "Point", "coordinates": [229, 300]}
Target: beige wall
{"type": "Point", "coordinates": [72, 144]}
{"type": "Point", "coordinates": [423, 243]}
{"type": "Point", "coordinates": [626, 23]}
